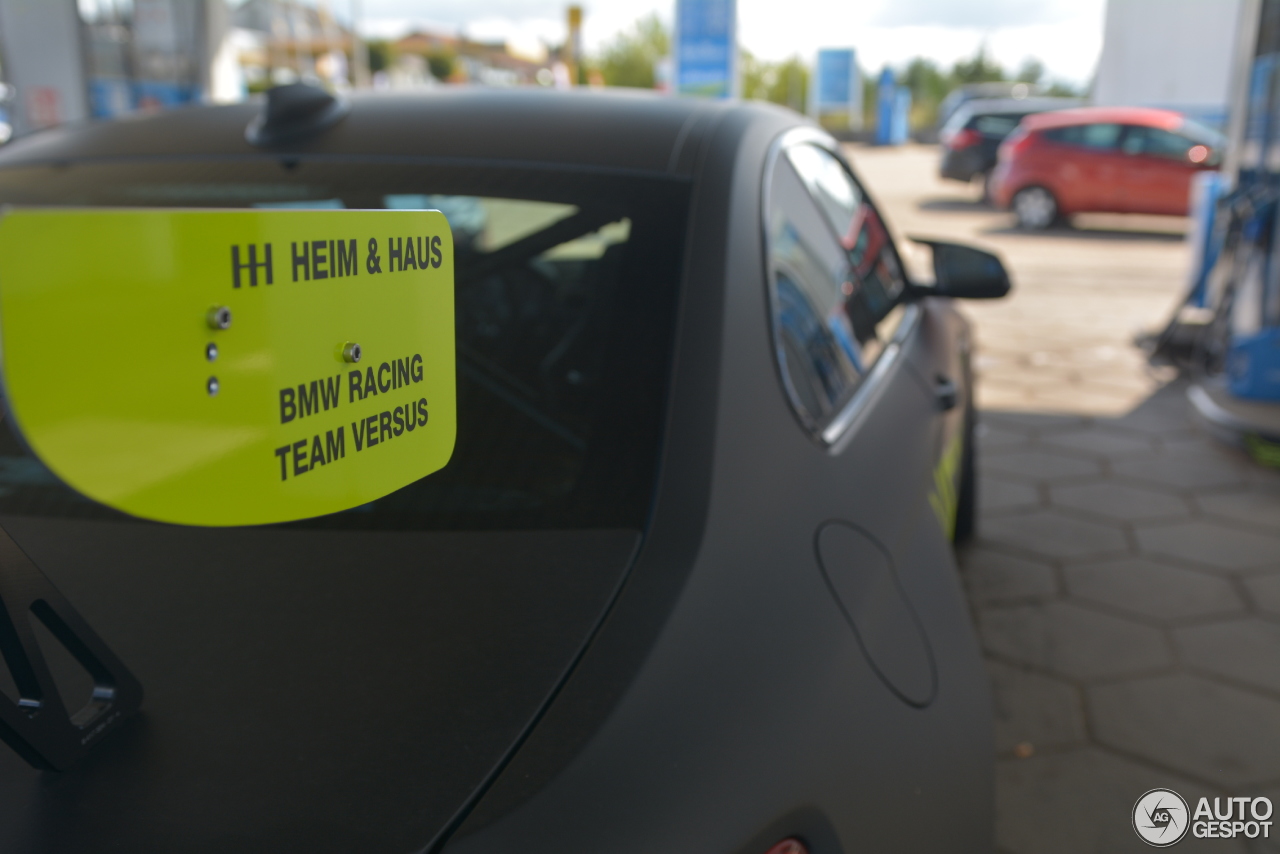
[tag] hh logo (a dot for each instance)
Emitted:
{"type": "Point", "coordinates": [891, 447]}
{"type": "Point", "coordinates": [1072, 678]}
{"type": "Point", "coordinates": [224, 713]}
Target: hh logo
{"type": "Point", "coordinates": [238, 265]}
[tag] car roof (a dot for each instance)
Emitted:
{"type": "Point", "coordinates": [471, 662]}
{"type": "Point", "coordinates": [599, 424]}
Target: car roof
{"type": "Point", "coordinates": [986, 106]}
{"type": "Point", "coordinates": [617, 131]}
{"type": "Point", "coordinates": [1166, 119]}
{"type": "Point", "coordinates": [998, 89]}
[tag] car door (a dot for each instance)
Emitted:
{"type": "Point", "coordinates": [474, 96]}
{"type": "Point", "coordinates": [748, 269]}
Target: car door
{"type": "Point", "coordinates": [1155, 176]}
{"type": "Point", "coordinates": [1088, 166]}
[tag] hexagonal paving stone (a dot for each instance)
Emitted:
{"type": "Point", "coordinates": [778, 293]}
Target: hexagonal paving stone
{"type": "Point", "coordinates": [1054, 535]}
{"type": "Point", "coordinates": [1257, 508]}
{"type": "Point", "coordinates": [1192, 442]}
{"type": "Point", "coordinates": [1179, 472]}
{"type": "Point", "coordinates": [1265, 590]}
{"type": "Point", "coordinates": [1155, 418]}
{"type": "Point", "coordinates": [994, 437]}
{"type": "Point", "coordinates": [993, 577]}
{"type": "Point", "coordinates": [995, 494]}
{"type": "Point", "coordinates": [1101, 442]}
{"type": "Point", "coordinates": [1190, 723]}
{"type": "Point", "coordinates": [1247, 650]}
{"type": "Point", "coordinates": [1040, 465]}
{"type": "Point", "coordinates": [1033, 709]}
{"type": "Point", "coordinates": [1101, 400]}
{"type": "Point", "coordinates": [1032, 422]}
{"type": "Point", "coordinates": [1079, 801]}
{"type": "Point", "coordinates": [1211, 543]}
{"type": "Point", "coordinates": [1071, 640]}
{"type": "Point", "coordinates": [1264, 477]}
{"type": "Point", "coordinates": [1118, 501]}
{"type": "Point", "coordinates": [1207, 451]}
{"type": "Point", "coordinates": [1152, 589]}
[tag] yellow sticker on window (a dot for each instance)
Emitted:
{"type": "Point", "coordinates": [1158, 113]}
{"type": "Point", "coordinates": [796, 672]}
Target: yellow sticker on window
{"type": "Point", "coordinates": [230, 367]}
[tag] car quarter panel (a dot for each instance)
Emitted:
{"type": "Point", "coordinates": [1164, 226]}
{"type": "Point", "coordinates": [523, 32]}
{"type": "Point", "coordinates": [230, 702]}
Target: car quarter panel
{"type": "Point", "coordinates": [307, 690]}
{"type": "Point", "coordinates": [726, 692]}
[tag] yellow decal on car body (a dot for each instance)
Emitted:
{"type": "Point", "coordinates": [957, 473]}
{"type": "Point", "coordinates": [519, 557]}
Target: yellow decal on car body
{"type": "Point", "coordinates": [943, 499]}
{"type": "Point", "coordinates": [217, 367]}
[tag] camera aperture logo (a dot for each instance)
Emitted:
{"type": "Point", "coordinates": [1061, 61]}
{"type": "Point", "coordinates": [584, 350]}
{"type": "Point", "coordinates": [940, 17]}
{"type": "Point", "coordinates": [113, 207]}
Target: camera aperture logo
{"type": "Point", "coordinates": [1161, 818]}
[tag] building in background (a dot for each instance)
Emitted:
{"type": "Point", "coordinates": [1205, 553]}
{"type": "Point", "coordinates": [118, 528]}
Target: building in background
{"type": "Point", "coordinates": [43, 68]}
{"type": "Point", "coordinates": [1177, 56]}
{"type": "Point", "coordinates": [68, 60]}
{"type": "Point", "coordinates": [287, 41]}
{"type": "Point", "coordinates": [152, 54]}
{"type": "Point", "coordinates": [424, 58]}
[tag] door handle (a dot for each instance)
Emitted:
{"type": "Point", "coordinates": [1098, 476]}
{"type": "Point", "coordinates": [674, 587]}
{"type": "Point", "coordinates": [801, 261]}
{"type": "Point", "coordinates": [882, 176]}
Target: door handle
{"type": "Point", "coordinates": [946, 393]}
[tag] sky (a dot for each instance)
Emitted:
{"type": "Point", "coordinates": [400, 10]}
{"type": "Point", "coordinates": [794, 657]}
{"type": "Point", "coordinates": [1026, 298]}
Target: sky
{"type": "Point", "coordinates": [1066, 35]}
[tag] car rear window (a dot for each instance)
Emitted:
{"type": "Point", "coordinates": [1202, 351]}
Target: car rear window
{"type": "Point", "coordinates": [1101, 136]}
{"type": "Point", "coordinates": [996, 126]}
{"type": "Point", "coordinates": [565, 294]}
{"type": "Point", "coordinates": [1197, 132]}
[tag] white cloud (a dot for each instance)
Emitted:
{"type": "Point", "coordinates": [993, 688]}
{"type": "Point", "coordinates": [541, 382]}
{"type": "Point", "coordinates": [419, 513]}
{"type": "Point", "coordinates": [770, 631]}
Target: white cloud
{"type": "Point", "coordinates": [967, 14]}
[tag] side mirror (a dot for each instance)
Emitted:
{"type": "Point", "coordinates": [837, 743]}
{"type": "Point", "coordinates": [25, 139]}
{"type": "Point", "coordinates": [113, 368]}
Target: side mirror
{"type": "Point", "coordinates": [963, 272]}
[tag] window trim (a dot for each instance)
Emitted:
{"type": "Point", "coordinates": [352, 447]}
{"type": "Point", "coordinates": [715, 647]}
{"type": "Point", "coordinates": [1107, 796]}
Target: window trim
{"type": "Point", "coordinates": [838, 428]}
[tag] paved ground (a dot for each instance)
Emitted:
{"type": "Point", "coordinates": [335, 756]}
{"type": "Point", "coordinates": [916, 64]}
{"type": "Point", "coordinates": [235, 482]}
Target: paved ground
{"type": "Point", "coordinates": [1126, 576]}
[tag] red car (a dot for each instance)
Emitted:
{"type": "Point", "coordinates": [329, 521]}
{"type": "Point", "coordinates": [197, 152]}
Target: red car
{"type": "Point", "coordinates": [1101, 159]}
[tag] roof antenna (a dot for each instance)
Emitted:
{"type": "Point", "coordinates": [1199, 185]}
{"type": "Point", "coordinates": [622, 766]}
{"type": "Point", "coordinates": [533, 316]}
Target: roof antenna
{"type": "Point", "coordinates": [293, 113]}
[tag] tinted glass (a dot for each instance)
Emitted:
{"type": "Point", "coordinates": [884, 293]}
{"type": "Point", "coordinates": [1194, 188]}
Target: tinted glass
{"type": "Point", "coordinates": [995, 126]}
{"type": "Point", "coordinates": [835, 280]}
{"type": "Point", "coordinates": [1155, 142]}
{"type": "Point", "coordinates": [1201, 134]}
{"type": "Point", "coordinates": [1102, 136]}
{"type": "Point", "coordinates": [564, 298]}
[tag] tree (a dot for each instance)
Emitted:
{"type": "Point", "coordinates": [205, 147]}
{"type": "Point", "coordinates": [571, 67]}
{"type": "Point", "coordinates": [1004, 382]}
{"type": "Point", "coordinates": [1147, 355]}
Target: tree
{"type": "Point", "coordinates": [785, 82]}
{"type": "Point", "coordinates": [630, 58]}
{"type": "Point", "coordinates": [757, 76]}
{"type": "Point", "coordinates": [928, 87]}
{"type": "Point", "coordinates": [440, 64]}
{"type": "Point", "coordinates": [925, 80]}
{"type": "Point", "coordinates": [790, 84]}
{"type": "Point", "coordinates": [978, 69]}
{"type": "Point", "coordinates": [379, 54]}
{"type": "Point", "coordinates": [1031, 71]}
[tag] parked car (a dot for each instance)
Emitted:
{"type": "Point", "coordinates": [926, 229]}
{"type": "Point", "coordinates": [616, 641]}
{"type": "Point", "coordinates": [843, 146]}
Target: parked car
{"type": "Point", "coordinates": [1102, 159]}
{"type": "Point", "coordinates": [687, 582]}
{"type": "Point", "coordinates": [974, 133]}
{"type": "Point", "coordinates": [993, 90]}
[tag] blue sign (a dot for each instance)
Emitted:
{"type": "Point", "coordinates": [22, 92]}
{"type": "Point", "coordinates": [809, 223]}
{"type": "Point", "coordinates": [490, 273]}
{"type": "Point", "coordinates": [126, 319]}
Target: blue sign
{"type": "Point", "coordinates": [706, 48]}
{"type": "Point", "coordinates": [886, 102]}
{"type": "Point", "coordinates": [837, 78]}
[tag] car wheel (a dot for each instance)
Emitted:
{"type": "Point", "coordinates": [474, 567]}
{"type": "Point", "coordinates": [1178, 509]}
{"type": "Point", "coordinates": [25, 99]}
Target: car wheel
{"type": "Point", "coordinates": [988, 189]}
{"type": "Point", "coordinates": [967, 499]}
{"type": "Point", "coordinates": [1035, 208]}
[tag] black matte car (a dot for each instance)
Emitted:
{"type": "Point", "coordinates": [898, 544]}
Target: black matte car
{"type": "Point", "coordinates": [972, 135]}
{"type": "Point", "coordinates": [687, 582]}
